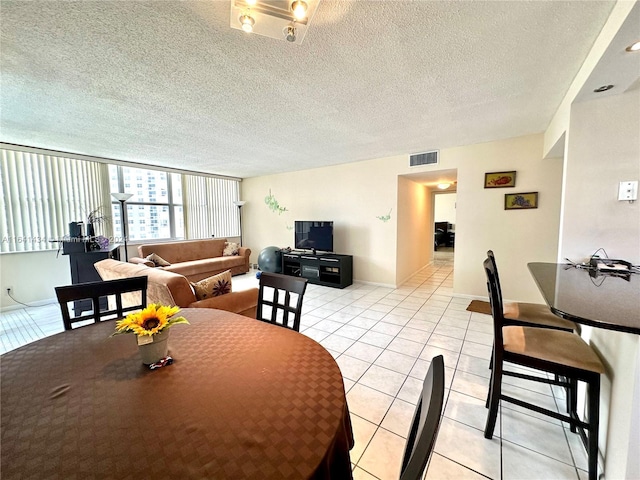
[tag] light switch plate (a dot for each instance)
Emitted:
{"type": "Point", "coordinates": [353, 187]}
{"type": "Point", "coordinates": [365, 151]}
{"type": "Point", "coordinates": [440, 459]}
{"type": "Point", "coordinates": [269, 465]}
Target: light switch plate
{"type": "Point", "coordinates": [628, 191]}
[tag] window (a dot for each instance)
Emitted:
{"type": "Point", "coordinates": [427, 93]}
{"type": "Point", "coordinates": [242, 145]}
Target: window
{"type": "Point", "coordinates": [209, 208]}
{"type": "Point", "coordinates": [41, 194]}
{"type": "Point", "coordinates": [151, 200]}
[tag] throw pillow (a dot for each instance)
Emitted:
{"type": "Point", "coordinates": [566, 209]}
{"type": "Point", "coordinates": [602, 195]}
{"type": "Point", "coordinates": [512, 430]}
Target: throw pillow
{"type": "Point", "coordinates": [230, 249]}
{"type": "Point", "coordinates": [157, 260]}
{"type": "Point", "coordinates": [215, 286]}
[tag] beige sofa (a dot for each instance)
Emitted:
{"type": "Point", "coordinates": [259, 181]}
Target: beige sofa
{"type": "Point", "coordinates": [169, 288]}
{"type": "Point", "coordinates": [196, 259]}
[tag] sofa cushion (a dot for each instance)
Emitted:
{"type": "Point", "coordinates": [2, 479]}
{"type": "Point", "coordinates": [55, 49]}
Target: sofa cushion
{"type": "Point", "coordinates": [164, 287]}
{"type": "Point", "coordinates": [214, 286]}
{"type": "Point", "coordinates": [157, 260]}
{"type": "Point", "coordinates": [230, 249]}
{"type": "Point", "coordinates": [184, 251]}
{"type": "Point", "coordinates": [206, 267]}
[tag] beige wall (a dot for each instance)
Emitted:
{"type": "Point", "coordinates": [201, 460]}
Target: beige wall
{"type": "Point", "coordinates": [351, 195]}
{"type": "Point", "coordinates": [517, 236]}
{"type": "Point", "coordinates": [354, 194]}
{"type": "Point", "coordinates": [604, 149]}
{"type": "Point", "coordinates": [415, 236]}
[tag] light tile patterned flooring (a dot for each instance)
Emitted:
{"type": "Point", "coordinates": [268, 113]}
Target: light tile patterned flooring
{"type": "Point", "coordinates": [383, 340]}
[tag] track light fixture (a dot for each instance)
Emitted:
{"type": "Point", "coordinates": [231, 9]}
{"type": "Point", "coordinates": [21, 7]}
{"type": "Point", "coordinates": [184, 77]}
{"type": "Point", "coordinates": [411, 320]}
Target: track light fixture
{"type": "Point", "coordinates": [247, 22]}
{"type": "Point", "coordinates": [290, 33]}
{"type": "Point", "coordinates": [299, 9]}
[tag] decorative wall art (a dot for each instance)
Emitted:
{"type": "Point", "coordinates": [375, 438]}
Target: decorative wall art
{"type": "Point", "coordinates": [519, 201]}
{"type": "Point", "coordinates": [273, 204]}
{"type": "Point", "coordinates": [385, 218]}
{"type": "Point", "coordinates": [499, 179]}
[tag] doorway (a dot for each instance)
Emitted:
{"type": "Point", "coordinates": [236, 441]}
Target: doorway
{"type": "Point", "coordinates": [444, 227]}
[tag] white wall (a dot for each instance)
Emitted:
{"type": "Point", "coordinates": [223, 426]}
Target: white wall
{"type": "Point", "coordinates": [33, 276]}
{"type": "Point", "coordinates": [604, 149]}
{"type": "Point", "coordinates": [445, 207]}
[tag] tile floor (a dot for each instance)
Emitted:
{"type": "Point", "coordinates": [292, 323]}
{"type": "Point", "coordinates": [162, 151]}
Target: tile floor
{"type": "Point", "coordinates": [383, 340]}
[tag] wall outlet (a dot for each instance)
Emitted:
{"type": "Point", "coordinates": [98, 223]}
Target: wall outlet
{"type": "Point", "coordinates": [8, 289]}
{"type": "Point", "coordinates": [628, 191]}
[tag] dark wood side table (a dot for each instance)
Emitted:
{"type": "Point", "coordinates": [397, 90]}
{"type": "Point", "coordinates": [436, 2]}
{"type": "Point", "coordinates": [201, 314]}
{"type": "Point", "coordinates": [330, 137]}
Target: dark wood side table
{"type": "Point", "coordinates": [81, 260]}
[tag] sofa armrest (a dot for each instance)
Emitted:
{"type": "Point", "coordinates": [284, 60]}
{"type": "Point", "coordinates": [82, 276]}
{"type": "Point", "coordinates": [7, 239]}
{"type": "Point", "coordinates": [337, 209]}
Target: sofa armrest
{"type": "Point", "coordinates": [244, 252]}
{"type": "Point", "coordinates": [141, 261]}
{"type": "Point", "coordinates": [235, 302]}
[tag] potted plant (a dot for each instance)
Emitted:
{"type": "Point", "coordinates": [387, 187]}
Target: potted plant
{"type": "Point", "coordinates": [95, 217]}
{"type": "Point", "coordinates": [151, 327]}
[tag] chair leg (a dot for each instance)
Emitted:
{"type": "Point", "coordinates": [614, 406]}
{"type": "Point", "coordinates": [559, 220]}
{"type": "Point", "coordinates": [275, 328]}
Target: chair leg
{"type": "Point", "coordinates": [572, 401]}
{"type": "Point", "coordinates": [593, 392]}
{"type": "Point", "coordinates": [493, 399]}
{"type": "Point", "coordinates": [491, 359]}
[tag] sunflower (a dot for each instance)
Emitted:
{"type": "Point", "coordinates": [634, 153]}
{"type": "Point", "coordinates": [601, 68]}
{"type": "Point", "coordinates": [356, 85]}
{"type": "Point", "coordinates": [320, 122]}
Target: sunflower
{"type": "Point", "coordinates": [149, 321]}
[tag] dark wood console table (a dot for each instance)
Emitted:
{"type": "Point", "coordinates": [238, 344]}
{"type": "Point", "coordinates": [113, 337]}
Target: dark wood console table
{"type": "Point", "coordinates": [328, 269]}
{"type": "Point", "coordinates": [81, 260]}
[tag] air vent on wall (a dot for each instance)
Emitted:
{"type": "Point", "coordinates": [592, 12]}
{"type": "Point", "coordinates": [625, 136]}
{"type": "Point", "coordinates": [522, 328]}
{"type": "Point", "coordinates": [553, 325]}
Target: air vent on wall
{"type": "Point", "coordinates": [427, 158]}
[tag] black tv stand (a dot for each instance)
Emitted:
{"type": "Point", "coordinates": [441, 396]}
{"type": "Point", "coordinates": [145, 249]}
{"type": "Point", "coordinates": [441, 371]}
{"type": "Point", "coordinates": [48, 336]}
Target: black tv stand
{"type": "Point", "coordinates": [328, 269]}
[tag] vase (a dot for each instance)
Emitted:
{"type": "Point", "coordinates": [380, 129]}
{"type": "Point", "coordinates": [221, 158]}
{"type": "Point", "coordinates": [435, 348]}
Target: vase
{"type": "Point", "coordinates": [155, 350]}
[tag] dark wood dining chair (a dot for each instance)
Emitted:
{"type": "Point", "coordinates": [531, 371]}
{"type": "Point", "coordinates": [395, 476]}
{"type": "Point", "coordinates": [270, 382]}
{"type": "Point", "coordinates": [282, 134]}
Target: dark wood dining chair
{"type": "Point", "coordinates": [425, 424]}
{"type": "Point", "coordinates": [94, 291]}
{"type": "Point", "coordinates": [531, 314]}
{"type": "Point", "coordinates": [563, 354]}
{"type": "Point", "coordinates": [280, 311]}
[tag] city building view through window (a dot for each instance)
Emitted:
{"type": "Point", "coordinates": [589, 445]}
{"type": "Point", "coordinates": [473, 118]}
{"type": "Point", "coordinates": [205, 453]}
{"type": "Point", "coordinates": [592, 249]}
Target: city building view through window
{"type": "Point", "coordinates": [155, 209]}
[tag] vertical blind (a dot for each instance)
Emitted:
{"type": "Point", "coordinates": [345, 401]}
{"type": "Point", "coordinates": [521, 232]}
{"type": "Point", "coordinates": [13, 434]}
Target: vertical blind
{"type": "Point", "coordinates": [208, 207]}
{"type": "Point", "coordinates": [41, 194]}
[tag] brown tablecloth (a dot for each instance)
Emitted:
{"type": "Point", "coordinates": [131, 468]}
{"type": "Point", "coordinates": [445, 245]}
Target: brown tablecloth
{"type": "Point", "coordinates": [243, 399]}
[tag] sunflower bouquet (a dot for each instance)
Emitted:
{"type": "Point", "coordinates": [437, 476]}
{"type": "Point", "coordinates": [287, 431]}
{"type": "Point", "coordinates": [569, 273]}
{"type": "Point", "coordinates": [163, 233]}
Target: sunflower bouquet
{"type": "Point", "coordinates": [150, 321]}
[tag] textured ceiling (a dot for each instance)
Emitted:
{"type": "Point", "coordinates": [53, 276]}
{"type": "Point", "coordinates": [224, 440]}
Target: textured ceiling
{"type": "Point", "coordinates": [170, 83]}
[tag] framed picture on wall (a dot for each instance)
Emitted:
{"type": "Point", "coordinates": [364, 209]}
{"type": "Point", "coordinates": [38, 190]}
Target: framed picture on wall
{"type": "Point", "coordinates": [499, 179]}
{"type": "Point", "coordinates": [520, 201]}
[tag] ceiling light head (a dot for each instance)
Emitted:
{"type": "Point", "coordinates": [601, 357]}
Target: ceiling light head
{"type": "Point", "coordinates": [443, 186]}
{"type": "Point", "coordinates": [299, 9]}
{"type": "Point", "coordinates": [247, 22]}
{"type": "Point", "coordinates": [290, 33]}
{"type": "Point", "coordinates": [603, 88]}
{"type": "Point", "coordinates": [634, 47]}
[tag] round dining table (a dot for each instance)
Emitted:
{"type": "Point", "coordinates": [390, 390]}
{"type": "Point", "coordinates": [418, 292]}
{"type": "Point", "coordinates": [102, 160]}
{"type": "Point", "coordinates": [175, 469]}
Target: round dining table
{"type": "Point", "coordinates": [242, 399]}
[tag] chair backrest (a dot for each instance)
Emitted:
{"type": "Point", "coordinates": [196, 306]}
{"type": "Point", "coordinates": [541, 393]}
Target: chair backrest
{"type": "Point", "coordinates": [94, 291]}
{"type": "Point", "coordinates": [426, 420]}
{"type": "Point", "coordinates": [271, 308]}
{"type": "Point", "coordinates": [495, 299]}
{"type": "Point", "coordinates": [492, 258]}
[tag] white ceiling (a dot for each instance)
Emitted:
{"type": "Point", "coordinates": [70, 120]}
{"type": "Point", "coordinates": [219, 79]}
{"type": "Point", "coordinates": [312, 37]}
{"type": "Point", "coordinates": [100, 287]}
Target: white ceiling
{"type": "Point", "coordinates": [170, 83]}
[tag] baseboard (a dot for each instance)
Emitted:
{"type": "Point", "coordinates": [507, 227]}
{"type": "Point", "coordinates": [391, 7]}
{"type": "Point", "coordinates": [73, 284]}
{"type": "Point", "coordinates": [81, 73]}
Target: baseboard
{"type": "Point", "coordinates": [375, 284]}
{"type": "Point", "coordinates": [38, 303]}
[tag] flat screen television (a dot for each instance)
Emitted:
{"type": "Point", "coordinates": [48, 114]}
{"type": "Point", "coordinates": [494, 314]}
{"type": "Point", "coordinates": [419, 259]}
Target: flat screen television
{"type": "Point", "coordinates": [314, 236]}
